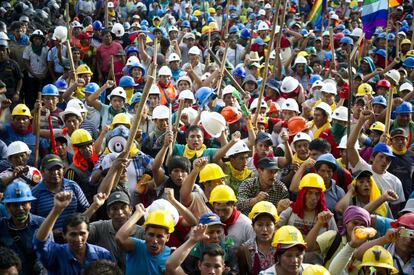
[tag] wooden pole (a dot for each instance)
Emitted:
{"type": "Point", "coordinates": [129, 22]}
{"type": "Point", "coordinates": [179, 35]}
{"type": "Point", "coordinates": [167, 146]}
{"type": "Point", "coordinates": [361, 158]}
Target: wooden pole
{"type": "Point", "coordinates": [412, 40]}
{"type": "Point", "coordinates": [397, 40]}
{"type": "Point", "coordinates": [386, 40]}
{"type": "Point", "coordinates": [170, 126]}
{"type": "Point", "coordinates": [207, 61]}
{"type": "Point", "coordinates": [388, 111]}
{"type": "Point", "coordinates": [154, 59]}
{"type": "Point", "coordinates": [266, 70]}
{"type": "Point", "coordinates": [70, 56]}
{"type": "Point", "coordinates": [37, 131]}
{"type": "Point", "coordinates": [106, 13]}
{"type": "Point", "coordinates": [112, 69]}
{"type": "Point", "coordinates": [331, 41]}
{"type": "Point", "coordinates": [175, 127]}
{"type": "Point", "coordinates": [223, 65]}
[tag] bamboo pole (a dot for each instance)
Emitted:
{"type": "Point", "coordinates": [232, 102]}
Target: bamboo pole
{"type": "Point", "coordinates": [112, 69]}
{"type": "Point", "coordinates": [106, 13]}
{"type": "Point", "coordinates": [175, 127]}
{"type": "Point", "coordinates": [154, 58]}
{"type": "Point", "coordinates": [266, 70]}
{"type": "Point", "coordinates": [386, 40]}
{"type": "Point", "coordinates": [37, 131]}
{"type": "Point", "coordinates": [397, 40]}
{"type": "Point", "coordinates": [388, 111]}
{"type": "Point", "coordinates": [331, 41]}
{"type": "Point", "coordinates": [223, 65]}
{"type": "Point", "coordinates": [70, 56]}
{"type": "Point", "coordinates": [170, 127]}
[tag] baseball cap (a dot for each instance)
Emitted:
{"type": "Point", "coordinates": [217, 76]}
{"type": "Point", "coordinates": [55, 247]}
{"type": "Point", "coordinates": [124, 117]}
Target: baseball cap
{"type": "Point", "coordinates": [382, 148]}
{"type": "Point", "coordinates": [363, 174]}
{"type": "Point", "coordinates": [50, 161]}
{"type": "Point", "coordinates": [398, 132]}
{"type": "Point", "coordinates": [61, 139]}
{"type": "Point", "coordinates": [264, 137]}
{"type": "Point", "coordinates": [118, 196]}
{"type": "Point", "coordinates": [268, 164]}
{"type": "Point", "coordinates": [210, 219]}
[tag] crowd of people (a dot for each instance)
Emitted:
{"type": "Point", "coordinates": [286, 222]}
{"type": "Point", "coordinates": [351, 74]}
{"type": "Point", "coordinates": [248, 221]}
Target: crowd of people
{"type": "Point", "coordinates": [205, 137]}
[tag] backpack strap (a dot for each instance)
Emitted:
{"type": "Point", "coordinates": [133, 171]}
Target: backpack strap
{"type": "Point", "coordinates": [332, 249]}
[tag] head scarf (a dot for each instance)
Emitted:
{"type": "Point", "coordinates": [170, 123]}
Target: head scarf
{"type": "Point", "coordinates": [355, 213]}
{"type": "Point", "coordinates": [298, 206]}
{"type": "Point", "coordinates": [373, 195]}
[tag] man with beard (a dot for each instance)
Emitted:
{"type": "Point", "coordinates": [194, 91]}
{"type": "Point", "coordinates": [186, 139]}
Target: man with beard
{"type": "Point", "coordinates": [18, 230]}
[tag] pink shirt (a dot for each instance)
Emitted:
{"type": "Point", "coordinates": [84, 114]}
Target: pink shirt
{"type": "Point", "coordinates": [104, 54]}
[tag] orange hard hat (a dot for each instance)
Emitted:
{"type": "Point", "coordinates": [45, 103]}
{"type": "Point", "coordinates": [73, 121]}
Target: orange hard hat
{"type": "Point", "coordinates": [263, 120]}
{"type": "Point", "coordinates": [296, 124]}
{"type": "Point", "coordinates": [274, 107]}
{"type": "Point", "coordinates": [231, 114]}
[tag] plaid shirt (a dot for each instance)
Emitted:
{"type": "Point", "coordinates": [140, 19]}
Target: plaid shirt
{"type": "Point", "coordinates": [250, 188]}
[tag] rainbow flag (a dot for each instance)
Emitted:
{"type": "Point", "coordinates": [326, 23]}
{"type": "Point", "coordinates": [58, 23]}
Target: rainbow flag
{"type": "Point", "coordinates": [394, 3]}
{"type": "Point", "coordinates": [374, 14]}
{"type": "Point", "coordinates": [316, 13]}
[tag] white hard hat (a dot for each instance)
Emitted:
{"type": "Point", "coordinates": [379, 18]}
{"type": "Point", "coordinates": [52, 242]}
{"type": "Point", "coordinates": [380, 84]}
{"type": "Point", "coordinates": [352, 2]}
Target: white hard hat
{"type": "Point", "coordinates": [186, 94]}
{"type": "Point", "coordinates": [17, 147]}
{"type": "Point", "coordinates": [262, 12]}
{"type": "Point", "coordinates": [3, 36]}
{"type": "Point", "coordinates": [76, 24]}
{"type": "Point", "coordinates": [185, 78]}
{"type": "Point", "coordinates": [154, 90]}
{"type": "Point", "coordinates": [173, 28]}
{"type": "Point", "coordinates": [229, 89]}
{"type": "Point", "coordinates": [111, 5]}
{"type": "Point", "coordinates": [253, 105]}
{"type": "Point", "coordinates": [162, 204]}
{"type": "Point", "coordinates": [191, 113]}
{"type": "Point", "coordinates": [272, 54]}
{"type": "Point", "coordinates": [135, 25]}
{"type": "Point", "coordinates": [268, 6]}
{"type": "Point", "coordinates": [173, 57]}
{"type": "Point", "coordinates": [342, 143]}
{"type": "Point", "coordinates": [37, 32]}
{"type": "Point", "coordinates": [161, 112]}
{"type": "Point", "coordinates": [194, 50]}
{"type": "Point", "coordinates": [301, 60]}
{"type": "Point", "coordinates": [289, 84]}
{"type": "Point", "coordinates": [329, 88]}
{"type": "Point", "coordinates": [301, 136]}
{"type": "Point", "coordinates": [70, 111]}
{"type": "Point", "coordinates": [118, 30]}
{"type": "Point", "coordinates": [340, 113]}
{"type": "Point", "coordinates": [263, 26]}
{"type": "Point", "coordinates": [406, 86]}
{"type": "Point", "coordinates": [214, 123]}
{"type": "Point", "coordinates": [357, 32]}
{"type": "Point", "coordinates": [76, 103]}
{"type": "Point", "coordinates": [394, 75]}
{"type": "Point", "coordinates": [334, 17]}
{"type": "Point", "coordinates": [60, 33]}
{"type": "Point", "coordinates": [165, 70]}
{"type": "Point", "coordinates": [205, 76]}
{"type": "Point", "coordinates": [290, 105]}
{"type": "Point", "coordinates": [118, 91]}
{"type": "Point", "coordinates": [325, 106]}
{"type": "Point", "coordinates": [239, 147]}
{"type": "Point", "coordinates": [317, 83]}
{"type": "Point", "coordinates": [132, 60]}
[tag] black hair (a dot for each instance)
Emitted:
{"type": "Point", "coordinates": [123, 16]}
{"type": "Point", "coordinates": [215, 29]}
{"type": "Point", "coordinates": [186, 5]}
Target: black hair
{"type": "Point", "coordinates": [102, 267]}
{"type": "Point", "coordinates": [9, 258]}
{"type": "Point", "coordinates": [16, 25]}
{"type": "Point", "coordinates": [281, 251]}
{"type": "Point", "coordinates": [320, 145]}
{"type": "Point", "coordinates": [74, 219]}
{"type": "Point", "coordinates": [67, 116]}
{"type": "Point", "coordinates": [192, 128]}
{"type": "Point", "coordinates": [179, 162]}
{"type": "Point", "coordinates": [212, 250]}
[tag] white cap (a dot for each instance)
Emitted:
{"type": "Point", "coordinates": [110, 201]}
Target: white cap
{"type": "Point", "coordinates": [111, 5]}
{"type": "Point", "coordinates": [76, 24]}
{"type": "Point", "coordinates": [334, 17]}
{"type": "Point", "coordinates": [301, 136]}
{"type": "Point", "coordinates": [394, 75]}
{"type": "Point", "coordinates": [173, 57]}
{"type": "Point", "coordinates": [205, 76]}
{"type": "Point", "coordinates": [161, 112]}
{"type": "Point", "coordinates": [185, 78]}
{"type": "Point", "coordinates": [406, 86]}
{"type": "Point", "coordinates": [189, 35]}
{"type": "Point", "coordinates": [186, 94]}
{"type": "Point", "coordinates": [118, 91]}
{"type": "Point", "coordinates": [194, 50]}
{"type": "Point", "coordinates": [340, 113]}
{"type": "Point", "coordinates": [262, 12]}
{"type": "Point", "coordinates": [173, 28]}
{"type": "Point", "coordinates": [163, 204]}
{"type": "Point", "coordinates": [118, 30]}
{"type": "Point", "coordinates": [357, 32]}
{"type": "Point", "coordinates": [213, 122]}
{"type": "Point", "coordinates": [17, 147]}
{"type": "Point", "coordinates": [135, 25]}
{"type": "Point", "coordinates": [290, 105]}
{"type": "Point", "coordinates": [329, 88]}
{"type": "Point", "coordinates": [165, 70]}
{"type": "Point", "coordinates": [268, 6]}
{"type": "Point", "coordinates": [154, 90]}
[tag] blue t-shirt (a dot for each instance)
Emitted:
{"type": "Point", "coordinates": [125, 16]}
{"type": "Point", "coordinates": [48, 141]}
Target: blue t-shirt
{"type": "Point", "coordinates": [140, 261]}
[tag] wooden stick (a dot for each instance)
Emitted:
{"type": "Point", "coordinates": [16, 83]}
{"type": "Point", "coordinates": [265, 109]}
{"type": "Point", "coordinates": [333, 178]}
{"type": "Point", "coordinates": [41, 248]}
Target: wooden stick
{"type": "Point", "coordinates": [170, 126]}
{"type": "Point", "coordinates": [175, 127]}
{"type": "Point", "coordinates": [228, 74]}
{"type": "Point", "coordinates": [70, 56]}
{"type": "Point", "coordinates": [331, 41]}
{"type": "Point", "coordinates": [412, 41]}
{"type": "Point", "coordinates": [223, 65]}
{"type": "Point", "coordinates": [154, 59]}
{"type": "Point", "coordinates": [37, 131]}
{"type": "Point", "coordinates": [207, 61]}
{"type": "Point", "coordinates": [266, 70]}
{"type": "Point", "coordinates": [112, 69]}
{"type": "Point", "coordinates": [386, 40]}
{"type": "Point", "coordinates": [106, 13]}
{"type": "Point", "coordinates": [388, 111]}
{"type": "Point", "coordinates": [397, 40]}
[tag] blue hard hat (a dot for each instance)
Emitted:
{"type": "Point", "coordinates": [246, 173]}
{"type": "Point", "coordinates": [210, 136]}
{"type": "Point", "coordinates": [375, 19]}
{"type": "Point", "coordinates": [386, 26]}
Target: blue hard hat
{"type": "Point", "coordinates": [210, 219]}
{"type": "Point", "coordinates": [304, 32]}
{"type": "Point", "coordinates": [314, 77]}
{"type": "Point", "coordinates": [144, 23]}
{"type": "Point", "coordinates": [409, 62]}
{"type": "Point", "coordinates": [328, 55]}
{"type": "Point", "coordinates": [204, 95]}
{"type": "Point", "coordinates": [404, 108]}
{"type": "Point", "coordinates": [382, 35]}
{"type": "Point", "coordinates": [252, 16]}
{"type": "Point", "coordinates": [239, 72]}
{"type": "Point", "coordinates": [210, 19]}
{"type": "Point", "coordinates": [185, 24]}
{"type": "Point", "coordinates": [136, 98]}
{"type": "Point", "coordinates": [340, 27]}
{"type": "Point", "coordinates": [61, 84]}
{"type": "Point", "coordinates": [273, 84]}
{"type": "Point", "coordinates": [97, 25]}
{"type": "Point", "coordinates": [409, 16]}
{"type": "Point", "coordinates": [232, 8]}
{"type": "Point", "coordinates": [17, 192]}
{"type": "Point", "coordinates": [126, 81]}
{"type": "Point", "coordinates": [346, 40]}
{"type": "Point", "coordinates": [382, 148]}
{"type": "Point", "coordinates": [132, 49]}
{"type": "Point", "coordinates": [137, 65]}
{"type": "Point", "coordinates": [391, 36]}
{"type": "Point", "coordinates": [240, 26]}
{"type": "Point", "coordinates": [379, 100]}
{"type": "Point", "coordinates": [404, 29]}
{"type": "Point", "coordinates": [193, 18]}
{"type": "Point", "coordinates": [259, 42]}
{"type": "Point", "coordinates": [119, 131]}
{"type": "Point", "coordinates": [328, 159]}
{"type": "Point", "coordinates": [91, 88]}
{"type": "Point", "coordinates": [380, 52]}
{"type": "Point", "coordinates": [127, 26]}
{"type": "Point", "coordinates": [50, 90]}
{"type": "Point", "coordinates": [346, 32]}
{"type": "Point", "coordinates": [378, 32]}
{"type": "Point", "coordinates": [245, 33]}
{"type": "Point", "coordinates": [233, 29]}
{"type": "Point", "coordinates": [196, 7]}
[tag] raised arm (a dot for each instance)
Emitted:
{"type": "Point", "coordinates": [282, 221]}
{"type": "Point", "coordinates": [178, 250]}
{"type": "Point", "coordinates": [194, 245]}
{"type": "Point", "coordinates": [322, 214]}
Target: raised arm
{"type": "Point", "coordinates": [187, 186]}
{"type": "Point", "coordinates": [93, 99]}
{"type": "Point", "coordinates": [353, 154]}
{"type": "Point", "coordinates": [223, 150]}
{"type": "Point", "coordinates": [287, 159]}
{"type": "Point", "coordinates": [141, 46]}
{"type": "Point", "coordinates": [80, 82]}
{"type": "Point", "coordinates": [157, 171]}
{"type": "Point", "coordinates": [389, 195]}
{"type": "Point", "coordinates": [294, 185]}
{"type": "Point", "coordinates": [189, 219]}
{"type": "Point", "coordinates": [343, 204]}
{"type": "Point", "coordinates": [122, 236]}
{"type": "Point", "coordinates": [108, 182]}
{"type": "Point", "coordinates": [323, 218]}
{"type": "Point", "coordinates": [98, 200]}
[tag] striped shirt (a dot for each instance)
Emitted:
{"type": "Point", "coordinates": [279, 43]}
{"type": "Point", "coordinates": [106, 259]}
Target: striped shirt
{"type": "Point", "coordinates": [44, 203]}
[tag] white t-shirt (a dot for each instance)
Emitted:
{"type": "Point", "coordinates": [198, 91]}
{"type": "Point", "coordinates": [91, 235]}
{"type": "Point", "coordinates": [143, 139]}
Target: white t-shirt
{"type": "Point", "coordinates": [234, 55]}
{"type": "Point", "coordinates": [241, 231]}
{"type": "Point", "coordinates": [384, 182]}
{"type": "Point", "coordinates": [38, 63]}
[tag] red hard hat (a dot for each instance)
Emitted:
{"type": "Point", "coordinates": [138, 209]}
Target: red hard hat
{"type": "Point", "coordinates": [406, 220]}
{"type": "Point", "coordinates": [384, 83]}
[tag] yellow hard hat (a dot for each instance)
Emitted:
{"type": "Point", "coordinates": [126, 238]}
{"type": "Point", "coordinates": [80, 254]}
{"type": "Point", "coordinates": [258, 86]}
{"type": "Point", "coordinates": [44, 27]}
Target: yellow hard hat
{"type": "Point", "coordinates": [83, 69]}
{"type": "Point", "coordinates": [222, 193]}
{"type": "Point", "coordinates": [21, 110]}
{"type": "Point", "coordinates": [213, 26]}
{"type": "Point", "coordinates": [160, 218]}
{"type": "Point", "coordinates": [312, 180]}
{"type": "Point", "coordinates": [303, 53]}
{"type": "Point", "coordinates": [121, 118]}
{"type": "Point", "coordinates": [377, 126]}
{"type": "Point", "coordinates": [211, 10]}
{"type": "Point", "coordinates": [211, 172]}
{"type": "Point", "coordinates": [264, 207]}
{"type": "Point", "coordinates": [378, 256]}
{"type": "Point", "coordinates": [205, 29]}
{"type": "Point", "coordinates": [288, 236]}
{"type": "Point", "coordinates": [364, 89]}
{"type": "Point", "coordinates": [197, 13]}
{"type": "Point", "coordinates": [410, 53]}
{"type": "Point", "coordinates": [315, 270]}
{"type": "Point", "coordinates": [81, 137]}
{"type": "Point", "coordinates": [405, 41]}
